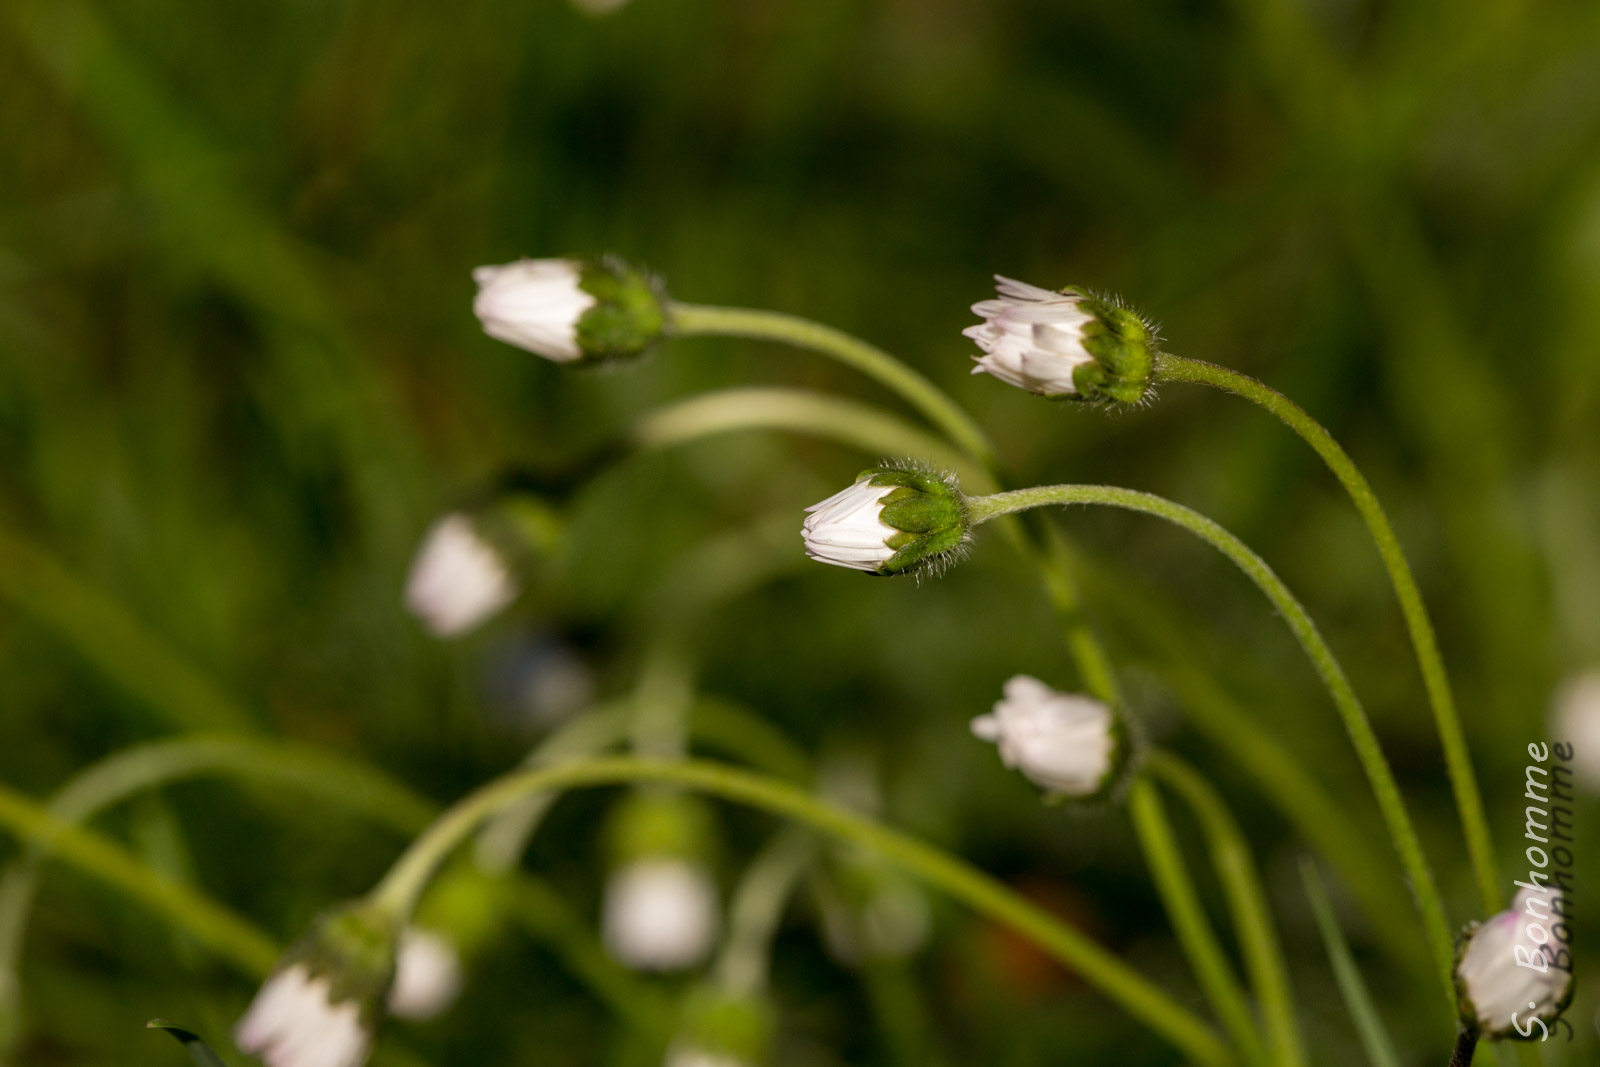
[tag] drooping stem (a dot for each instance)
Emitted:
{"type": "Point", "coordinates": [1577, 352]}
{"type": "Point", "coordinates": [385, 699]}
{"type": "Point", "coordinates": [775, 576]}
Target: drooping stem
{"type": "Point", "coordinates": [1247, 903]}
{"type": "Point", "coordinates": [1135, 993]}
{"type": "Point", "coordinates": [1189, 921]}
{"type": "Point", "coordinates": [1401, 831]}
{"type": "Point", "coordinates": [1458, 761]}
{"type": "Point", "coordinates": [689, 319]}
{"type": "Point", "coordinates": [757, 909]}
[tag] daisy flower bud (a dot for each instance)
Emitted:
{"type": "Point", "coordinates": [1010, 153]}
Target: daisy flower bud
{"type": "Point", "coordinates": [889, 522]}
{"type": "Point", "coordinates": [320, 1006]}
{"type": "Point", "coordinates": [427, 975]}
{"type": "Point", "coordinates": [661, 910]}
{"type": "Point", "coordinates": [1513, 969]}
{"type": "Point", "coordinates": [569, 310]}
{"type": "Point", "coordinates": [1069, 745]}
{"type": "Point", "coordinates": [1069, 344]}
{"type": "Point", "coordinates": [458, 578]}
{"type": "Point", "coordinates": [1575, 720]}
{"type": "Point", "coordinates": [874, 913]}
{"type": "Point", "coordinates": [721, 1029]}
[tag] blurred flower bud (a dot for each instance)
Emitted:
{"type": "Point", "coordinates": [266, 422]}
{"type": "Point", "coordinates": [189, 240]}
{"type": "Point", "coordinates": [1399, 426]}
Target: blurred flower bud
{"type": "Point", "coordinates": [1069, 745]}
{"type": "Point", "coordinates": [1575, 719]}
{"type": "Point", "coordinates": [879, 913]}
{"type": "Point", "coordinates": [569, 310]}
{"type": "Point", "coordinates": [1068, 344]}
{"type": "Point", "coordinates": [891, 521]}
{"type": "Point", "coordinates": [458, 578]}
{"type": "Point", "coordinates": [427, 975]}
{"type": "Point", "coordinates": [320, 1007]}
{"type": "Point", "coordinates": [721, 1029]}
{"type": "Point", "coordinates": [661, 909]}
{"type": "Point", "coordinates": [1512, 969]}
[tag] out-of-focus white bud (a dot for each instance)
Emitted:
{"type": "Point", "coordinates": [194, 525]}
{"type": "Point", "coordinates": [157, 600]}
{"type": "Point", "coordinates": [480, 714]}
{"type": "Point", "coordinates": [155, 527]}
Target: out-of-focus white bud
{"type": "Point", "coordinates": [721, 1028]}
{"type": "Point", "coordinates": [1575, 720]}
{"type": "Point", "coordinates": [427, 975]}
{"type": "Point", "coordinates": [1069, 745]}
{"type": "Point", "coordinates": [1507, 972]}
{"type": "Point", "coordinates": [1067, 344]}
{"type": "Point", "coordinates": [891, 521]}
{"type": "Point", "coordinates": [458, 579]}
{"type": "Point", "coordinates": [660, 913]}
{"type": "Point", "coordinates": [569, 310]}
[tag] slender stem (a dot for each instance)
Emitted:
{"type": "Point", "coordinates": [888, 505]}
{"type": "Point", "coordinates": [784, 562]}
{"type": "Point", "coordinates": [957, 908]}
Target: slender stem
{"type": "Point", "coordinates": [1247, 903]}
{"type": "Point", "coordinates": [689, 319]}
{"type": "Point", "coordinates": [1466, 1045]}
{"type": "Point", "coordinates": [1136, 994]}
{"type": "Point", "coordinates": [1375, 1039]}
{"type": "Point", "coordinates": [1458, 761]}
{"type": "Point", "coordinates": [1401, 831]}
{"type": "Point", "coordinates": [226, 933]}
{"type": "Point", "coordinates": [1189, 921]}
{"type": "Point", "coordinates": [757, 910]}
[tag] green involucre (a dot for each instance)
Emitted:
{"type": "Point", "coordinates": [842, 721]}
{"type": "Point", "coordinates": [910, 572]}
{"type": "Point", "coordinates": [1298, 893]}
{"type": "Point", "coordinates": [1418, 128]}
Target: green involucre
{"type": "Point", "coordinates": [627, 316]}
{"type": "Point", "coordinates": [1124, 348]}
{"type": "Point", "coordinates": [928, 511]}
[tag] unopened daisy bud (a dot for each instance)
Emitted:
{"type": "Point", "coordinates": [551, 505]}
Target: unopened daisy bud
{"type": "Point", "coordinates": [878, 913]}
{"type": "Point", "coordinates": [890, 521]}
{"type": "Point", "coordinates": [1068, 344]}
{"type": "Point", "coordinates": [1575, 721]}
{"type": "Point", "coordinates": [721, 1029]}
{"type": "Point", "coordinates": [320, 1007]}
{"type": "Point", "coordinates": [569, 310]}
{"type": "Point", "coordinates": [1069, 745]}
{"type": "Point", "coordinates": [459, 577]}
{"type": "Point", "coordinates": [427, 975]}
{"type": "Point", "coordinates": [1514, 968]}
{"type": "Point", "coordinates": [661, 909]}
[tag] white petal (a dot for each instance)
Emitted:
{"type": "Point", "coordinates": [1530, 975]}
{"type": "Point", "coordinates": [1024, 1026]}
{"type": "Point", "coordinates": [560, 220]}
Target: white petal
{"type": "Point", "coordinates": [427, 975]}
{"type": "Point", "coordinates": [457, 580]}
{"type": "Point", "coordinates": [534, 304]}
{"type": "Point", "coordinates": [660, 914]}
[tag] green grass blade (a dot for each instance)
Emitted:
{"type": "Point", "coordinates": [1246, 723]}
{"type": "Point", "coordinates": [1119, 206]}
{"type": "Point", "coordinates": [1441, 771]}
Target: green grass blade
{"type": "Point", "coordinates": [1357, 999]}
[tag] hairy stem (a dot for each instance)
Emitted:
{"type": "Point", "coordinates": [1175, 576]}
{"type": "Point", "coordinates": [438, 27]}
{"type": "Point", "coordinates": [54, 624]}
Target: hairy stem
{"type": "Point", "coordinates": [1401, 831]}
{"type": "Point", "coordinates": [1189, 921]}
{"type": "Point", "coordinates": [1135, 993]}
{"type": "Point", "coordinates": [1458, 761]}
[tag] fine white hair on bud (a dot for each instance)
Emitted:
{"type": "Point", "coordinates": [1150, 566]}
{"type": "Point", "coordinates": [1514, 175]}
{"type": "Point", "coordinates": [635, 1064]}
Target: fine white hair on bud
{"type": "Point", "coordinates": [295, 1022]}
{"type": "Point", "coordinates": [534, 304]}
{"type": "Point", "coordinates": [427, 975]}
{"type": "Point", "coordinates": [457, 579]}
{"type": "Point", "coordinates": [1575, 720]}
{"type": "Point", "coordinates": [660, 913]}
{"type": "Point", "coordinates": [1512, 968]}
{"type": "Point", "coordinates": [1067, 744]}
{"type": "Point", "coordinates": [1068, 344]}
{"type": "Point", "coordinates": [893, 520]}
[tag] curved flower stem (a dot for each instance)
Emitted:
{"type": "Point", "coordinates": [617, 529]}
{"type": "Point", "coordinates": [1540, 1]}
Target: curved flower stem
{"type": "Point", "coordinates": [757, 910]}
{"type": "Point", "coordinates": [1458, 761]}
{"type": "Point", "coordinates": [400, 888]}
{"type": "Point", "coordinates": [686, 320]}
{"type": "Point", "coordinates": [1189, 921]}
{"type": "Point", "coordinates": [226, 933]}
{"type": "Point", "coordinates": [1252, 918]}
{"type": "Point", "coordinates": [1401, 831]}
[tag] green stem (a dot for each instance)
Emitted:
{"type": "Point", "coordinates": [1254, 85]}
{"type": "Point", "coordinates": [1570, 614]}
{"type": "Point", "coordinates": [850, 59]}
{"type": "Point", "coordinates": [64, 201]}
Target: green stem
{"type": "Point", "coordinates": [1247, 902]}
{"type": "Point", "coordinates": [1375, 1039]}
{"type": "Point", "coordinates": [1458, 761]}
{"type": "Point", "coordinates": [1401, 831]}
{"type": "Point", "coordinates": [1189, 920]}
{"type": "Point", "coordinates": [1141, 998]}
{"type": "Point", "coordinates": [757, 910]}
{"type": "Point", "coordinates": [690, 319]}
{"type": "Point", "coordinates": [226, 933]}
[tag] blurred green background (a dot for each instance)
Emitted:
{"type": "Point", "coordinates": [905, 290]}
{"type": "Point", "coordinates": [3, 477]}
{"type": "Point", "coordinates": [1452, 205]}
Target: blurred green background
{"type": "Point", "coordinates": [239, 375]}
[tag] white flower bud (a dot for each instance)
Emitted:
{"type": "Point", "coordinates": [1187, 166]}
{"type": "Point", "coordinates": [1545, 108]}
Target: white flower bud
{"type": "Point", "coordinates": [1506, 967]}
{"type": "Point", "coordinates": [534, 304]}
{"type": "Point", "coordinates": [845, 529]}
{"type": "Point", "coordinates": [457, 579]}
{"type": "Point", "coordinates": [427, 975]}
{"type": "Point", "coordinates": [293, 1022]}
{"type": "Point", "coordinates": [660, 913]}
{"type": "Point", "coordinates": [1575, 719]}
{"type": "Point", "coordinates": [1069, 745]}
{"type": "Point", "coordinates": [683, 1055]}
{"type": "Point", "coordinates": [1066, 344]}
